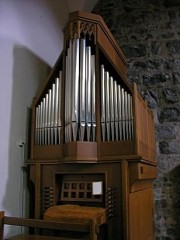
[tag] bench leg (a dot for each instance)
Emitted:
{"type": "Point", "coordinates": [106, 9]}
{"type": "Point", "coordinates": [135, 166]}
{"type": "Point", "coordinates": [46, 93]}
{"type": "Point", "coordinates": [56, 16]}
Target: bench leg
{"type": "Point", "coordinates": [93, 230]}
{"type": "Point", "coordinates": [1, 225]}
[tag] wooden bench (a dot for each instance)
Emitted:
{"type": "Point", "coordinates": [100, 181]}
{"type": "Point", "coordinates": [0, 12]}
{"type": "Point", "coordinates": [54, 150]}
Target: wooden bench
{"type": "Point", "coordinates": [88, 227]}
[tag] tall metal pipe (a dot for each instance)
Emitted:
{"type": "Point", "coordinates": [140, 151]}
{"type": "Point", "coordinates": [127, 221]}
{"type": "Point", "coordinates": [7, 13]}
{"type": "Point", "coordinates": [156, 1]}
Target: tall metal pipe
{"type": "Point", "coordinates": [126, 115]}
{"type": "Point", "coordinates": [111, 96]}
{"type": "Point", "coordinates": [59, 107]}
{"type": "Point", "coordinates": [56, 110]}
{"type": "Point", "coordinates": [116, 111]}
{"type": "Point", "coordinates": [103, 104]}
{"type": "Point", "coordinates": [123, 114]}
{"type": "Point", "coordinates": [131, 117]}
{"type": "Point", "coordinates": [106, 80]}
{"type": "Point", "coordinates": [41, 123]}
{"type": "Point", "coordinates": [46, 118]}
{"type": "Point", "coordinates": [52, 113]}
{"type": "Point", "coordinates": [49, 117]}
{"type": "Point", "coordinates": [120, 111]}
{"type": "Point", "coordinates": [93, 97]}
{"type": "Point", "coordinates": [66, 94]}
{"type": "Point", "coordinates": [75, 88]}
{"type": "Point", "coordinates": [88, 93]}
{"type": "Point", "coordinates": [82, 83]}
{"type": "Point", "coordinates": [70, 89]}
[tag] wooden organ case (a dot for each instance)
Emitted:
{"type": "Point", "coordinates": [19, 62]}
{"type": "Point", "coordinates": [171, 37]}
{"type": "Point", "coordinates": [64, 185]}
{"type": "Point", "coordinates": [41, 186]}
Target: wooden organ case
{"type": "Point", "coordinates": [92, 141]}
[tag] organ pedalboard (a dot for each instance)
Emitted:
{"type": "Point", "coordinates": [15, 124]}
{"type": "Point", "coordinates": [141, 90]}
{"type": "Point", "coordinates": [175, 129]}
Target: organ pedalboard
{"type": "Point", "coordinates": [90, 125]}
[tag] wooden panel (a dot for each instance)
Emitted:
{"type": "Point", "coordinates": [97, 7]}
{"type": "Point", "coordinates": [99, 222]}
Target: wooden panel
{"type": "Point", "coordinates": [47, 152]}
{"type": "Point", "coordinates": [106, 45]}
{"type": "Point", "coordinates": [140, 115]}
{"type": "Point", "coordinates": [141, 176]}
{"type": "Point", "coordinates": [32, 168]}
{"type": "Point", "coordinates": [141, 215]}
{"type": "Point", "coordinates": [37, 191]}
{"type": "Point", "coordinates": [144, 128]}
{"type": "Point", "coordinates": [80, 151]}
{"type": "Point", "coordinates": [118, 149]}
{"type": "Point", "coordinates": [142, 171]}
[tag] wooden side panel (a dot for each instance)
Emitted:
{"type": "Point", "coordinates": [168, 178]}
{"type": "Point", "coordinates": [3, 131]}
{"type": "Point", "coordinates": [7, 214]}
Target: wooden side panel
{"type": "Point", "coordinates": [144, 128]}
{"type": "Point", "coordinates": [37, 190]}
{"type": "Point", "coordinates": [42, 175]}
{"type": "Point", "coordinates": [141, 215]}
{"type": "Point", "coordinates": [140, 108]}
{"type": "Point", "coordinates": [106, 45]}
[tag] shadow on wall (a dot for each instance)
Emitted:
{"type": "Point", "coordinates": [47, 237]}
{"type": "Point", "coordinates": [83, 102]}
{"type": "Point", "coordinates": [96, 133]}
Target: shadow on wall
{"type": "Point", "coordinates": [28, 73]}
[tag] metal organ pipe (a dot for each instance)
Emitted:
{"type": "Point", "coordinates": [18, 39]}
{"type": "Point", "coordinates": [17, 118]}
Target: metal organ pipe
{"type": "Point", "coordinates": [126, 115]}
{"type": "Point", "coordinates": [82, 88]}
{"type": "Point", "coordinates": [80, 92]}
{"type": "Point", "coordinates": [59, 107]}
{"type": "Point", "coordinates": [119, 112]}
{"type": "Point", "coordinates": [93, 87]}
{"type": "Point", "coordinates": [123, 113]}
{"type": "Point", "coordinates": [80, 102]}
{"type": "Point", "coordinates": [56, 111]}
{"type": "Point", "coordinates": [52, 113]}
{"type": "Point", "coordinates": [41, 123]}
{"type": "Point", "coordinates": [48, 119]}
{"type": "Point", "coordinates": [66, 96]}
{"type": "Point", "coordinates": [116, 110]}
{"type": "Point", "coordinates": [75, 89]}
{"type": "Point", "coordinates": [111, 93]}
{"type": "Point", "coordinates": [103, 104]}
{"type": "Point", "coordinates": [107, 106]}
{"type": "Point", "coordinates": [88, 92]}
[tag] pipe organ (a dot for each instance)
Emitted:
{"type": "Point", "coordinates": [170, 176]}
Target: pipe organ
{"type": "Point", "coordinates": [92, 135]}
{"type": "Point", "coordinates": [48, 116]}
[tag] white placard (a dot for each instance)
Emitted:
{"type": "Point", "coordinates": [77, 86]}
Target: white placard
{"type": "Point", "coordinates": [97, 188]}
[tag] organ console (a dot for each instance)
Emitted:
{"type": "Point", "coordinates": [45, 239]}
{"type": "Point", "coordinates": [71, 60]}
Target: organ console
{"type": "Point", "coordinates": [92, 136]}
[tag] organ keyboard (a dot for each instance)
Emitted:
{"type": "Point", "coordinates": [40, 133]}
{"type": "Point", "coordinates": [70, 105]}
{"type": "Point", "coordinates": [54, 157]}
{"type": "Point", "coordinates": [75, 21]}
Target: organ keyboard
{"type": "Point", "coordinates": [90, 124]}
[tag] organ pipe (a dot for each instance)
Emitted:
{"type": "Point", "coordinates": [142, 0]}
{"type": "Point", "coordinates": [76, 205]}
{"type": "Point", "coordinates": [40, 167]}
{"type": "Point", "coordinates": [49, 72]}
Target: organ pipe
{"type": "Point", "coordinates": [80, 102]}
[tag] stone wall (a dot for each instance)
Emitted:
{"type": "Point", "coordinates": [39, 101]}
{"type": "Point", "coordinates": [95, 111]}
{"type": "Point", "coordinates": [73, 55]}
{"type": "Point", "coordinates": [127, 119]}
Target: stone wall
{"type": "Point", "coordinates": [149, 33]}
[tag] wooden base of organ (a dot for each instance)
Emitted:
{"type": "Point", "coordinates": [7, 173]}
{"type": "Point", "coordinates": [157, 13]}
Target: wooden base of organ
{"type": "Point", "coordinates": [63, 171]}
